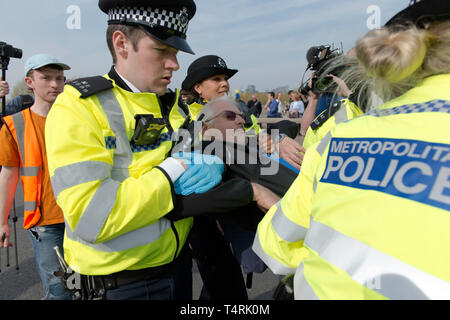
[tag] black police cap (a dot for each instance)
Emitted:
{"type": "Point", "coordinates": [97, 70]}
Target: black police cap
{"type": "Point", "coordinates": [420, 12]}
{"type": "Point", "coordinates": [164, 20]}
{"type": "Point", "coordinates": [205, 67]}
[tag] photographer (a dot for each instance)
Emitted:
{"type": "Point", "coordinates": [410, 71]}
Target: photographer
{"type": "Point", "coordinates": [340, 111]}
{"type": "Point", "coordinates": [343, 106]}
{"type": "Point", "coordinates": [320, 97]}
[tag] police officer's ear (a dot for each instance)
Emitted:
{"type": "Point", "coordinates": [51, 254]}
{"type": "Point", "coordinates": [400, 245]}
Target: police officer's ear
{"type": "Point", "coordinates": [122, 44]}
{"type": "Point", "coordinates": [197, 88]}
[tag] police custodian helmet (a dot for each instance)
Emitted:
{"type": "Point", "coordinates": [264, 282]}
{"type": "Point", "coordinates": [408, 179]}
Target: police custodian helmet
{"type": "Point", "coordinates": [205, 67]}
{"type": "Point", "coordinates": [164, 20]}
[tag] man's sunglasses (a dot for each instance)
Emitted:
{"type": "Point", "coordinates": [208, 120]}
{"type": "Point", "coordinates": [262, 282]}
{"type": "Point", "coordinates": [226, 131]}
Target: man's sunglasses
{"type": "Point", "coordinates": [230, 115]}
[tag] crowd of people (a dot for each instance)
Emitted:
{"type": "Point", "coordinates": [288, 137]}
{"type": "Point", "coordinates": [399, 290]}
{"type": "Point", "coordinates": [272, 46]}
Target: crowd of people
{"type": "Point", "coordinates": [134, 181]}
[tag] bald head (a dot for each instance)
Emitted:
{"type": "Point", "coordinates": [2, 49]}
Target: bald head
{"type": "Point", "coordinates": [222, 115]}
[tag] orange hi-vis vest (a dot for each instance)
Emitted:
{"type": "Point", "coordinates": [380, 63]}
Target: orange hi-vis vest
{"type": "Point", "coordinates": [24, 133]}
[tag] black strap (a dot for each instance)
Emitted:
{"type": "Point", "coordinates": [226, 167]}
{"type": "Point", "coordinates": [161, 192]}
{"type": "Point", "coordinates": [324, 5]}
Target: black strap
{"type": "Point", "coordinates": [325, 115]}
{"type": "Point", "coordinates": [91, 85]}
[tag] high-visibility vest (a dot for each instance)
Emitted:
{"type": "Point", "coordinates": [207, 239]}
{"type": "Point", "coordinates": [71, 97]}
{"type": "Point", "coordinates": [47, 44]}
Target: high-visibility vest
{"type": "Point", "coordinates": [195, 108]}
{"type": "Point", "coordinates": [113, 194]}
{"type": "Point", "coordinates": [323, 123]}
{"type": "Point", "coordinates": [24, 134]}
{"type": "Point", "coordinates": [368, 216]}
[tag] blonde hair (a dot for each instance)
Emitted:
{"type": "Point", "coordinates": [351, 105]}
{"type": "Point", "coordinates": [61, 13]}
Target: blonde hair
{"type": "Point", "coordinates": [393, 60]}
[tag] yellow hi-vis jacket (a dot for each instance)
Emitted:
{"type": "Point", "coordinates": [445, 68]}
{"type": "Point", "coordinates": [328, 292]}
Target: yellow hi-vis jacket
{"type": "Point", "coordinates": [113, 194]}
{"type": "Point", "coordinates": [347, 110]}
{"type": "Point", "coordinates": [368, 216]}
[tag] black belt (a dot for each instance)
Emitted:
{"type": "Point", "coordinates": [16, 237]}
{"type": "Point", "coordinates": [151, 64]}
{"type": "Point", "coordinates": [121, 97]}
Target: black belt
{"type": "Point", "coordinates": [118, 279]}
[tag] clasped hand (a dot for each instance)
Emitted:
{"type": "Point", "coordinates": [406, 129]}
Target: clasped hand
{"type": "Point", "coordinates": [203, 173]}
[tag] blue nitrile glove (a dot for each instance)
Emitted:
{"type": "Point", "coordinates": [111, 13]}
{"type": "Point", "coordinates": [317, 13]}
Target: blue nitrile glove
{"type": "Point", "coordinates": [204, 172]}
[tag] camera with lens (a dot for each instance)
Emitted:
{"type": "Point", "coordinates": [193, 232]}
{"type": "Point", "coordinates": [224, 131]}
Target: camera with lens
{"type": "Point", "coordinates": [8, 51]}
{"type": "Point", "coordinates": [317, 58]}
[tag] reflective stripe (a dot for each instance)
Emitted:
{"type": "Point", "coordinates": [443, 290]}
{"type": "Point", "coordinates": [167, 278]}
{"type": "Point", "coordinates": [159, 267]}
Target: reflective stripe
{"type": "Point", "coordinates": [129, 240]}
{"type": "Point", "coordinates": [29, 205]}
{"type": "Point", "coordinates": [374, 269]}
{"type": "Point", "coordinates": [285, 228]}
{"type": "Point", "coordinates": [341, 115]}
{"type": "Point", "coordinates": [78, 173]}
{"type": "Point", "coordinates": [29, 171]}
{"type": "Point", "coordinates": [302, 288]}
{"type": "Point", "coordinates": [324, 143]}
{"type": "Point", "coordinates": [98, 210]}
{"type": "Point", "coordinates": [19, 125]}
{"type": "Point", "coordinates": [274, 265]}
{"type": "Point", "coordinates": [182, 113]}
{"type": "Point", "coordinates": [122, 154]}
{"type": "Point", "coordinates": [104, 199]}
{"type": "Point", "coordinates": [321, 149]}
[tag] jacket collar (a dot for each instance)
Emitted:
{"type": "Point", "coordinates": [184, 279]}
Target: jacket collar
{"type": "Point", "coordinates": [113, 75]}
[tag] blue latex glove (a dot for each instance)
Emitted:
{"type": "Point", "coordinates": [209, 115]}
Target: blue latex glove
{"type": "Point", "coordinates": [204, 172]}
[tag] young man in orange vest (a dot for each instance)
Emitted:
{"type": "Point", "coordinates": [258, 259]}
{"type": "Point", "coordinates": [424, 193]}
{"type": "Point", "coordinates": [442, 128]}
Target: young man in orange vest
{"type": "Point", "coordinates": [23, 155]}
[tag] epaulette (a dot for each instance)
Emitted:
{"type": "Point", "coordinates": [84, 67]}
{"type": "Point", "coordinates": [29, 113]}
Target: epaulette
{"type": "Point", "coordinates": [91, 85]}
{"type": "Point", "coordinates": [325, 115]}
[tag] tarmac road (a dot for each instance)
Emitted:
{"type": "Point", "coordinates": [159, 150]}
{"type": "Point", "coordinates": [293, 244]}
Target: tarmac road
{"type": "Point", "coordinates": [25, 284]}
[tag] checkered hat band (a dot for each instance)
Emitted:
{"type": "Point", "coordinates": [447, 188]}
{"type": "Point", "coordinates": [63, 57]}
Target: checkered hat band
{"type": "Point", "coordinates": [152, 17]}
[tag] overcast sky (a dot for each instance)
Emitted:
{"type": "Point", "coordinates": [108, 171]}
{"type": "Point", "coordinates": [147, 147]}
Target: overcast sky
{"type": "Point", "coordinates": [266, 40]}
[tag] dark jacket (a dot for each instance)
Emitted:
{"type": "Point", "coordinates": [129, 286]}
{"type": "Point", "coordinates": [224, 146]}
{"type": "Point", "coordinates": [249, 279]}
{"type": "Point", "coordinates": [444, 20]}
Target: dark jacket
{"type": "Point", "coordinates": [234, 195]}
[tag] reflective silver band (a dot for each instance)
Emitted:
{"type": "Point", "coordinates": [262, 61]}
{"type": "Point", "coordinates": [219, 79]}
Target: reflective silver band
{"type": "Point", "coordinates": [29, 205]}
{"type": "Point", "coordinates": [285, 228]}
{"type": "Point", "coordinates": [321, 149]}
{"type": "Point", "coordinates": [98, 210]}
{"type": "Point", "coordinates": [302, 288]}
{"type": "Point", "coordinates": [129, 240]}
{"type": "Point", "coordinates": [19, 125]}
{"type": "Point", "coordinates": [324, 143]}
{"type": "Point", "coordinates": [122, 154]}
{"type": "Point", "coordinates": [341, 115]}
{"type": "Point", "coordinates": [29, 171]}
{"type": "Point", "coordinates": [78, 173]}
{"type": "Point", "coordinates": [374, 269]}
{"type": "Point", "coordinates": [274, 265]}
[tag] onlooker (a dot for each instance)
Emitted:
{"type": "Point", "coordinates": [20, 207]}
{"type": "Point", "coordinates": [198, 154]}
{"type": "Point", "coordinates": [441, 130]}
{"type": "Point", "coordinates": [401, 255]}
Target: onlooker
{"type": "Point", "coordinates": [272, 106]}
{"type": "Point", "coordinates": [280, 103]}
{"type": "Point", "coordinates": [254, 105]}
{"type": "Point", "coordinates": [296, 107]}
{"type": "Point", "coordinates": [187, 96]}
{"type": "Point", "coordinates": [24, 155]}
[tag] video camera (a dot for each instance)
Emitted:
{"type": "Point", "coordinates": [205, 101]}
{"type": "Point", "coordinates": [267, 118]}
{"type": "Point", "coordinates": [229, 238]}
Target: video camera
{"type": "Point", "coordinates": [8, 51]}
{"type": "Point", "coordinates": [317, 57]}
